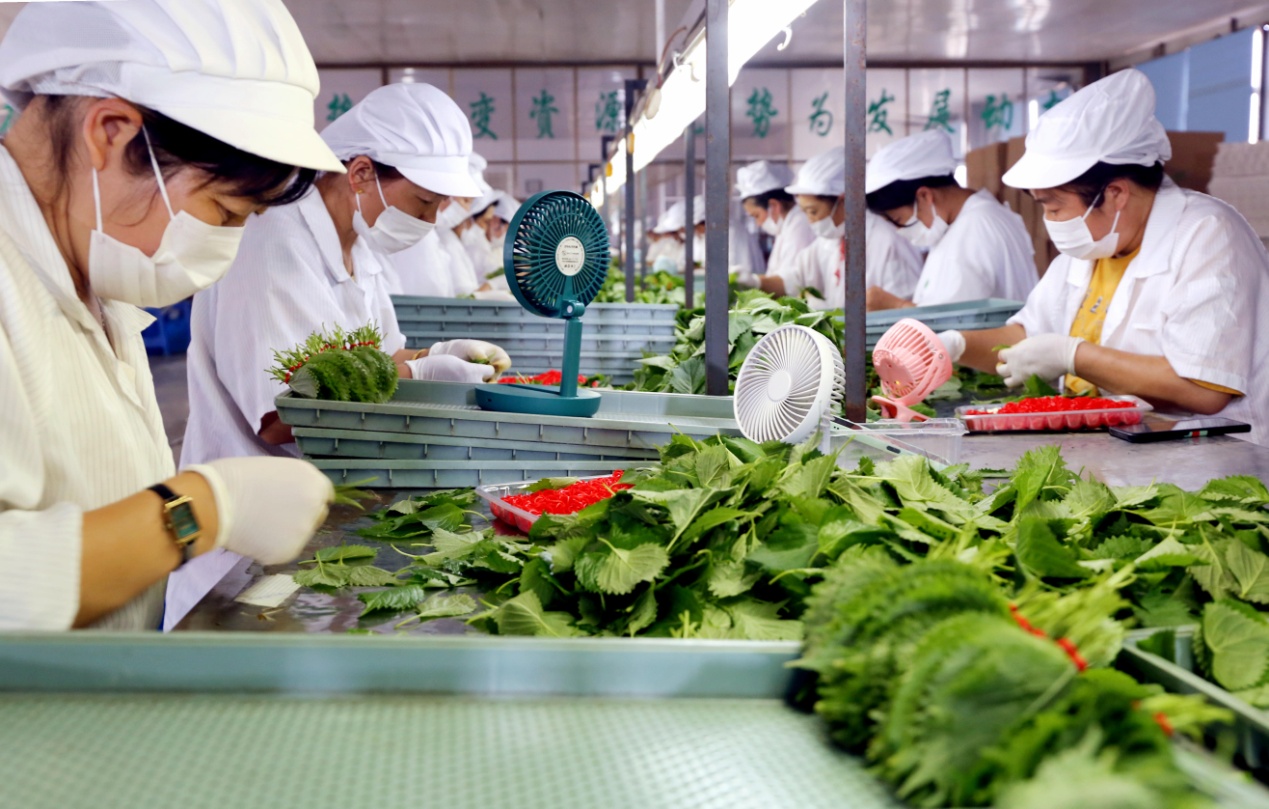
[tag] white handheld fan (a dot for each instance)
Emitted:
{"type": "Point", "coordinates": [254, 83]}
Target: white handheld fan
{"type": "Point", "coordinates": [912, 362]}
{"type": "Point", "coordinates": [789, 386]}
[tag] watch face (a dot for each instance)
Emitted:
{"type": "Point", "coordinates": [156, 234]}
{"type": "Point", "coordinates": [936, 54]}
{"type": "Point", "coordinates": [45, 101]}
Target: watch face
{"type": "Point", "coordinates": [184, 524]}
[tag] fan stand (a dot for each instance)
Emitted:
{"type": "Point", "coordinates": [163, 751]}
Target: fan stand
{"type": "Point", "coordinates": [546, 400]}
{"type": "Point", "coordinates": [898, 411]}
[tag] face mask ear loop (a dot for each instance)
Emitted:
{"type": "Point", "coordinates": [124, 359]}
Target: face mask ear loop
{"type": "Point", "coordinates": [381, 197]}
{"type": "Point", "coordinates": [1096, 201]}
{"type": "Point", "coordinates": [97, 200]}
{"type": "Point", "coordinates": [154, 161]}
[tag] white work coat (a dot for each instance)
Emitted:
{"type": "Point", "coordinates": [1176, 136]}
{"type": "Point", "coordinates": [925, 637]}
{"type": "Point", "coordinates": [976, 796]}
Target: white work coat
{"type": "Point", "coordinates": [1197, 294]}
{"type": "Point", "coordinates": [288, 281]}
{"type": "Point", "coordinates": [986, 253]}
{"type": "Point", "coordinates": [462, 273]}
{"type": "Point", "coordinates": [794, 237]}
{"type": "Point", "coordinates": [892, 264]}
{"type": "Point", "coordinates": [479, 249]}
{"type": "Point", "coordinates": [81, 427]}
{"type": "Point", "coordinates": [423, 269]}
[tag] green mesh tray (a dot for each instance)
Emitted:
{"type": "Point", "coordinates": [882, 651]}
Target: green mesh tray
{"type": "Point", "coordinates": [988, 313]}
{"type": "Point", "coordinates": [1178, 675]}
{"type": "Point", "coordinates": [625, 419]}
{"type": "Point", "coordinates": [405, 447]}
{"type": "Point", "coordinates": [398, 752]}
{"type": "Point", "coordinates": [414, 309]}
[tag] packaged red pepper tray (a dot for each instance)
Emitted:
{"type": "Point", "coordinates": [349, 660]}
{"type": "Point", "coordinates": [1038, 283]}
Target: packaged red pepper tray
{"type": "Point", "coordinates": [519, 505]}
{"type": "Point", "coordinates": [1055, 413]}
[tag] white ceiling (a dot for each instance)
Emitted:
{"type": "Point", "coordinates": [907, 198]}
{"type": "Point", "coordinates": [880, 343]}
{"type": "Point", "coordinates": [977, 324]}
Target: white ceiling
{"type": "Point", "coordinates": [596, 31]}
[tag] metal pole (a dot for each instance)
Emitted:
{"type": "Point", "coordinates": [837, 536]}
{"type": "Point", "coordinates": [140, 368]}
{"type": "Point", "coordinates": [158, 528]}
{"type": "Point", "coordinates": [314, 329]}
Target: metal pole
{"type": "Point", "coordinates": [856, 43]}
{"type": "Point", "coordinates": [643, 231]}
{"type": "Point", "coordinates": [689, 195]}
{"type": "Point", "coordinates": [717, 159]}
{"type": "Point", "coordinates": [632, 86]}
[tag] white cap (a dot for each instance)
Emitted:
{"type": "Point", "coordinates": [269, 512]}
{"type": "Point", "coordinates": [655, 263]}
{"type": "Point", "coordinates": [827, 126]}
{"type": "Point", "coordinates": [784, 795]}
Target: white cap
{"type": "Point", "coordinates": [1109, 121]}
{"type": "Point", "coordinates": [674, 219]}
{"type": "Point", "coordinates": [698, 209]}
{"type": "Point", "coordinates": [823, 175]}
{"type": "Point", "coordinates": [485, 201]}
{"type": "Point", "coordinates": [476, 165]}
{"type": "Point", "coordinates": [762, 177]}
{"type": "Point", "coordinates": [925, 154]}
{"type": "Point", "coordinates": [416, 129]}
{"type": "Point", "coordinates": [506, 206]}
{"type": "Point", "coordinates": [237, 70]}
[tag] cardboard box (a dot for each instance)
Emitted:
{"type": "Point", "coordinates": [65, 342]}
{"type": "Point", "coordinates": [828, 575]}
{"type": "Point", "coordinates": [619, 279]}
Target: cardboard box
{"type": "Point", "coordinates": [985, 166]}
{"type": "Point", "coordinates": [1193, 154]}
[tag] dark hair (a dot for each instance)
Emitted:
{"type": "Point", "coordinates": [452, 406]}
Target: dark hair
{"type": "Point", "coordinates": [176, 146]}
{"type": "Point", "coordinates": [778, 195]}
{"type": "Point", "coordinates": [1092, 184]}
{"type": "Point", "coordinates": [902, 193]}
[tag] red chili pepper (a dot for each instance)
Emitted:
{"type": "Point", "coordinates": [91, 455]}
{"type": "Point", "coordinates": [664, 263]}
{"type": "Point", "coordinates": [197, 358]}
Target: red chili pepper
{"type": "Point", "coordinates": [1073, 652]}
{"type": "Point", "coordinates": [1162, 720]}
{"type": "Point", "coordinates": [570, 499]}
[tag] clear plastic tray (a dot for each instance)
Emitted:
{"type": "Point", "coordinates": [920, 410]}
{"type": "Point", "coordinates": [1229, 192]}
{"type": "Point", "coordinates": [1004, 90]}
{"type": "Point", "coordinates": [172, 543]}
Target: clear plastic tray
{"type": "Point", "coordinates": [936, 439]}
{"type": "Point", "coordinates": [494, 494]}
{"type": "Point", "coordinates": [1061, 421]}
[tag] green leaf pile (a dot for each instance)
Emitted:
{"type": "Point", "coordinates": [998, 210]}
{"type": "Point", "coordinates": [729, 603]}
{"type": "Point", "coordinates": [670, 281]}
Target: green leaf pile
{"type": "Point", "coordinates": [754, 315]}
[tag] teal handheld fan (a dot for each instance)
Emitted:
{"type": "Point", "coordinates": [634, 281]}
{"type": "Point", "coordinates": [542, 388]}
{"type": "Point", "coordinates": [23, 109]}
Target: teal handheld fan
{"type": "Point", "coordinates": [556, 259]}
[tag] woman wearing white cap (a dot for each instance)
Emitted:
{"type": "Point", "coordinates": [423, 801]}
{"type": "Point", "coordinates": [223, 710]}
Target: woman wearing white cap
{"type": "Point", "coordinates": [151, 130]}
{"type": "Point", "coordinates": [820, 190]}
{"type": "Point", "coordinates": [1160, 292]}
{"type": "Point", "coordinates": [978, 248]}
{"type": "Point", "coordinates": [439, 265]}
{"type": "Point", "coordinates": [671, 226]}
{"type": "Point", "coordinates": [761, 187]}
{"type": "Point", "coordinates": [320, 262]}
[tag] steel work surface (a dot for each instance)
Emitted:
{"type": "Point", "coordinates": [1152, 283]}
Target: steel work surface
{"type": "Point", "coordinates": [1189, 463]}
{"type": "Point", "coordinates": [216, 751]}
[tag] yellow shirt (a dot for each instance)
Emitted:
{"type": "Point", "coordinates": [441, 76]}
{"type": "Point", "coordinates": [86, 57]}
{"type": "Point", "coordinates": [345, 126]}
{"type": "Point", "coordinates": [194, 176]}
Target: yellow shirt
{"type": "Point", "coordinates": [1107, 273]}
{"type": "Point", "coordinates": [1090, 318]}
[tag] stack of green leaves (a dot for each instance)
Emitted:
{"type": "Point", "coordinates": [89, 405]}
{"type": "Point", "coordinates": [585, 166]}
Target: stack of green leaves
{"type": "Point", "coordinates": [923, 671]}
{"type": "Point", "coordinates": [658, 287]}
{"type": "Point", "coordinates": [339, 366]}
{"type": "Point", "coordinates": [754, 315]}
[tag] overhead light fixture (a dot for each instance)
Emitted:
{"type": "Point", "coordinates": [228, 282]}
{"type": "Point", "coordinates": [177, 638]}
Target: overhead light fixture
{"type": "Point", "coordinates": [751, 24]}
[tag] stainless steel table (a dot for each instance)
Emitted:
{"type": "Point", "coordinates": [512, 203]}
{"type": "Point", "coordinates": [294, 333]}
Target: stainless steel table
{"type": "Point", "coordinates": [1189, 463]}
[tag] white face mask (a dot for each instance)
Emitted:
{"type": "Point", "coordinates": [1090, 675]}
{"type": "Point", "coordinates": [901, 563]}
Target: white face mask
{"type": "Point", "coordinates": [925, 237]}
{"type": "Point", "coordinates": [1074, 238]}
{"type": "Point", "coordinates": [453, 216]}
{"type": "Point", "coordinates": [394, 230]}
{"type": "Point", "coordinates": [826, 229]}
{"type": "Point", "coordinates": [770, 226]}
{"type": "Point", "coordinates": [192, 256]}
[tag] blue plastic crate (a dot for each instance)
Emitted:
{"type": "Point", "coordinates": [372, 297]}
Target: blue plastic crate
{"type": "Point", "coordinates": [169, 333]}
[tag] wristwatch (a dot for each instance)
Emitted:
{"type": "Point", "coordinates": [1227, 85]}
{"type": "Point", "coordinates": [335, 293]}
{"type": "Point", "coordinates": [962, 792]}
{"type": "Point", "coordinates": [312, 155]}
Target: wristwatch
{"type": "Point", "coordinates": [178, 516]}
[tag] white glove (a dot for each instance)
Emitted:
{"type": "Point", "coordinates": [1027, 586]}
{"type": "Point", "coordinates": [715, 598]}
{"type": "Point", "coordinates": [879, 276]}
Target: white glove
{"type": "Point", "coordinates": [472, 350]}
{"type": "Point", "coordinates": [954, 343]}
{"type": "Point", "coordinates": [1047, 356]}
{"type": "Point", "coordinates": [269, 508]}
{"type": "Point", "coordinates": [444, 368]}
{"type": "Point", "coordinates": [747, 280]}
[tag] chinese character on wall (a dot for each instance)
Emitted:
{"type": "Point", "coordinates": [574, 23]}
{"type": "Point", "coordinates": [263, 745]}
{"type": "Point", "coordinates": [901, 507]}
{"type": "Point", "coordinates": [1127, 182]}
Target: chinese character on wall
{"type": "Point", "coordinates": [879, 115]}
{"type": "Point", "coordinates": [543, 108]}
{"type": "Point", "coordinates": [761, 111]}
{"type": "Point", "coordinates": [821, 119]}
{"type": "Point", "coordinates": [482, 109]}
{"type": "Point", "coordinates": [941, 112]}
{"type": "Point", "coordinates": [339, 104]}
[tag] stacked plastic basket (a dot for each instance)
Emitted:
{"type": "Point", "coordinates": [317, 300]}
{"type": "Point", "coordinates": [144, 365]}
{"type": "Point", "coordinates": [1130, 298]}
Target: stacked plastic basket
{"type": "Point", "coordinates": [432, 435]}
{"type": "Point", "coordinates": [616, 336]}
{"type": "Point", "coordinates": [989, 313]}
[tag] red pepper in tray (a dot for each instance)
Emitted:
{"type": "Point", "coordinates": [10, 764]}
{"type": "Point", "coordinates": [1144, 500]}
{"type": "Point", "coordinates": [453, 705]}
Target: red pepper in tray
{"type": "Point", "coordinates": [570, 499]}
{"type": "Point", "coordinates": [1055, 413]}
